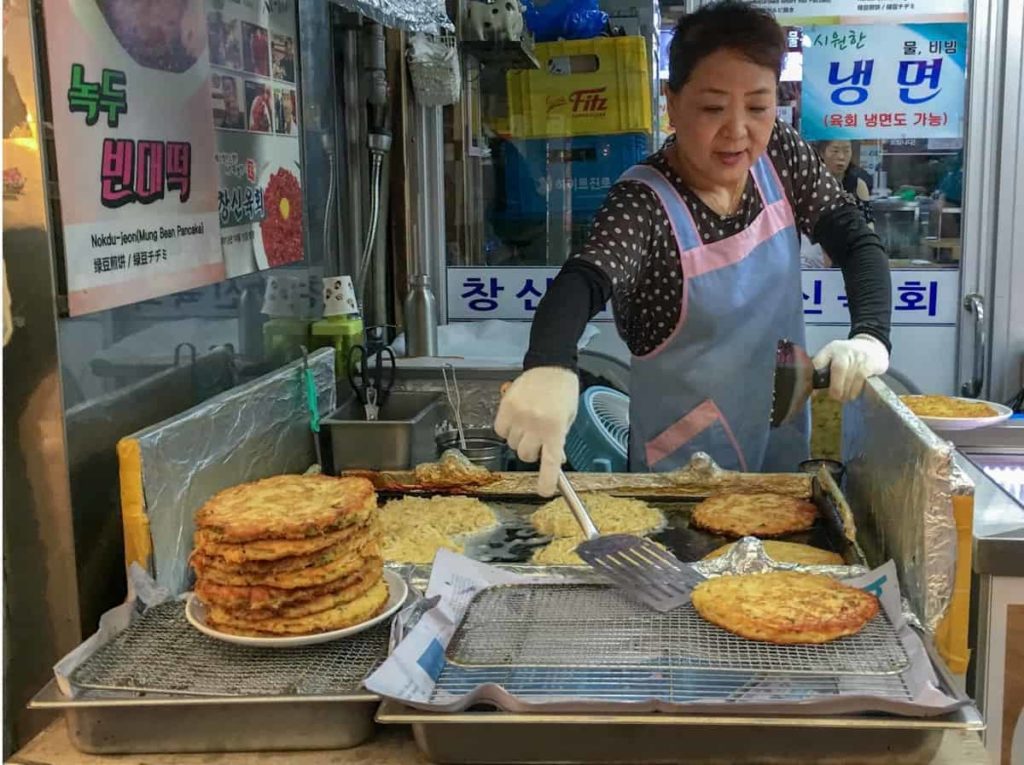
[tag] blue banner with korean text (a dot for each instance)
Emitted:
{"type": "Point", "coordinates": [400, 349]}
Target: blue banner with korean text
{"type": "Point", "coordinates": [884, 81]}
{"type": "Point", "coordinates": [921, 297]}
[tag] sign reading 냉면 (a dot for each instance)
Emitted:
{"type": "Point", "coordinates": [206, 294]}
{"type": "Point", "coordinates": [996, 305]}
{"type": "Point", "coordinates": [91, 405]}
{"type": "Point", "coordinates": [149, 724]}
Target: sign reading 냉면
{"type": "Point", "coordinates": [884, 82]}
{"type": "Point", "coordinates": [133, 135]}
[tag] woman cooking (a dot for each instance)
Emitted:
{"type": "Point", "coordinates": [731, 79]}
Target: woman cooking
{"type": "Point", "coordinates": [698, 249]}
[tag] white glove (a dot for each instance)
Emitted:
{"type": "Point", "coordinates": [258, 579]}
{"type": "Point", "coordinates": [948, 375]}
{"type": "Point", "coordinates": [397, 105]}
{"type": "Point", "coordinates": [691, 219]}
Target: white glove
{"type": "Point", "coordinates": [852, 361]}
{"type": "Point", "coordinates": [534, 417]}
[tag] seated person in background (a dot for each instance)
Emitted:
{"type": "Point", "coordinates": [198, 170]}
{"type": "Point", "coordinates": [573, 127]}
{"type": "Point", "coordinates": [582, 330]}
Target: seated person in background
{"type": "Point", "coordinates": [838, 158]}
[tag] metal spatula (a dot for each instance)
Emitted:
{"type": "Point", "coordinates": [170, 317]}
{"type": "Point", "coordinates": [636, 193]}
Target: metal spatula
{"type": "Point", "coordinates": [637, 566]}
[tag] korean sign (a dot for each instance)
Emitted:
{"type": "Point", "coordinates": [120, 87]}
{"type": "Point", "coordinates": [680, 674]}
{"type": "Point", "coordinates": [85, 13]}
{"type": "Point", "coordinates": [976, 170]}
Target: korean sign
{"type": "Point", "coordinates": [800, 10]}
{"type": "Point", "coordinates": [920, 297]}
{"type": "Point", "coordinates": [884, 82]}
{"type": "Point", "coordinates": [133, 134]}
{"type": "Point", "coordinates": [254, 83]}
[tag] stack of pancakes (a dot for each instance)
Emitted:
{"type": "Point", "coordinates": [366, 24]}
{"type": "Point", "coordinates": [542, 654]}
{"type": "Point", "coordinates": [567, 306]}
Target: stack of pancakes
{"type": "Point", "coordinates": [289, 555]}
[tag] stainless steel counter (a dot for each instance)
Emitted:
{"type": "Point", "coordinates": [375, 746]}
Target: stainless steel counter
{"type": "Point", "coordinates": [998, 525]}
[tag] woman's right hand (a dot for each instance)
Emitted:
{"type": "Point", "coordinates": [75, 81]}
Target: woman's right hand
{"type": "Point", "coordinates": [534, 417]}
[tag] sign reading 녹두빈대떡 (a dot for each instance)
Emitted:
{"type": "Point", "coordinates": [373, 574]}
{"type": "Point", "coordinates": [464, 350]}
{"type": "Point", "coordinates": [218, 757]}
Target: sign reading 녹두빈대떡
{"type": "Point", "coordinates": [134, 139]}
{"type": "Point", "coordinates": [884, 82]}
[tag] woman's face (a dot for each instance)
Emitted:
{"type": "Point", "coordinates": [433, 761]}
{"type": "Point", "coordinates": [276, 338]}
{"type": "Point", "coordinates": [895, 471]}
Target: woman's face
{"type": "Point", "coordinates": [723, 116]}
{"type": "Point", "coordinates": [837, 157]}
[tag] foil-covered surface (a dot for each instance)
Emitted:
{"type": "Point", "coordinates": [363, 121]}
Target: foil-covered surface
{"type": "Point", "coordinates": [900, 482]}
{"type": "Point", "coordinates": [250, 432]}
{"type": "Point", "coordinates": [748, 557]}
{"type": "Point", "coordinates": [410, 15]}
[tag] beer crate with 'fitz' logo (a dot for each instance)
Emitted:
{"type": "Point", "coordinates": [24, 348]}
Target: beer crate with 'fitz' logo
{"type": "Point", "coordinates": [600, 86]}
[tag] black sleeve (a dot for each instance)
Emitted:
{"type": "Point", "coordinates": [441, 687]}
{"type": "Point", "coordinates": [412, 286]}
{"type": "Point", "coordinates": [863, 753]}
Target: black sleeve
{"type": "Point", "coordinates": [579, 292]}
{"type": "Point", "coordinates": [851, 244]}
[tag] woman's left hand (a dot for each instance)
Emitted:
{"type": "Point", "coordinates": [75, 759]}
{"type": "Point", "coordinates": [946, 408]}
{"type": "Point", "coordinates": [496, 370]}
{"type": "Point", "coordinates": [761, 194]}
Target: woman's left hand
{"type": "Point", "coordinates": [852, 362]}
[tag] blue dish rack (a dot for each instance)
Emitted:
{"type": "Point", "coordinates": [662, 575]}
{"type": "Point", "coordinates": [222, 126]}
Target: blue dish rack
{"type": "Point", "coordinates": [537, 168]}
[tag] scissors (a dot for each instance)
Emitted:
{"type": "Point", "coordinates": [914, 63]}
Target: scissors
{"type": "Point", "coordinates": [369, 378]}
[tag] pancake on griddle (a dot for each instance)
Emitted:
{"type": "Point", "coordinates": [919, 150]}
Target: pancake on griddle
{"type": "Point", "coordinates": [611, 515]}
{"type": "Point", "coordinates": [290, 555]}
{"type": "Point", "coordinates": [413, 529]}
{"type": "Point", "coordinates": [754, 515]}
{"type": "Point", "coordinates": [789, 552]}
{"type": "Point", "coordinates": [785, 607]}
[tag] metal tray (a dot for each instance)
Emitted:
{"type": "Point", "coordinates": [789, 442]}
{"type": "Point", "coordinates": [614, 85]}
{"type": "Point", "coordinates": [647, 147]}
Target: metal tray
{"type": "Point", "coordinates": [161, 686]}
{"type": "Point", "coordinates": [503, 737]}
{"type": "Point", "coordinates": [101, 723]}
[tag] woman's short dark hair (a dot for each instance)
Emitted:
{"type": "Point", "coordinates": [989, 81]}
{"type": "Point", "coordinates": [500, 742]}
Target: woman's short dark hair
{"type": "Point", "coordinates": [727, 24]}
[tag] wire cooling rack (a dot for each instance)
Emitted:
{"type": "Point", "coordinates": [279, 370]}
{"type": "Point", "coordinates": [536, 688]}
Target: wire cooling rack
{"type": "Point", "coordinates": [162, 653]}
{"type": "Point", "coordinates": [588, 626]}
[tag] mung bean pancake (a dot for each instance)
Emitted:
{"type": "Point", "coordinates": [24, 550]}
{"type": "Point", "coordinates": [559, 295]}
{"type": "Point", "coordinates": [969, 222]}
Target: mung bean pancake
{"type": "Point", "coordinates": [366, 606]}
{"type": "Point", "coordinates": [279, 554]}
{"type": "Point", "coordinates": [286, 507]}
{"type": "Point", "coordinates": [785, 607]}
{"type": "Point", "coordinates": [754, 515]}
{"type": "Point", "coordinates": [343, 565]}
{"type": "Point", "coordinates": [789, 552]}
{"type": "Point", "coordinates": [452, 516]}
{"type": "Point", "coordinates": [946, 406]}
{"type": "Point", "coordinates": [611, 515]}
{"type": "Point", "coordinates": [261, 598]}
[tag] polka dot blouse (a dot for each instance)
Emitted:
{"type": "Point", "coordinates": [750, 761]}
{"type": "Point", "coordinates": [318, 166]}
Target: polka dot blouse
{"type": "Point", "coordinates": [632, 243]}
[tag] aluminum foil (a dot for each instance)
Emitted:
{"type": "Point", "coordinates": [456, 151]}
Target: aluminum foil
{"type": "Point", "coordinates": [410, 15]}
{"type": "Point", "coordinates": [748, 557]}
{"type": "Point", "coordinates": [250, 432]}
{"type": "Point", "coordinates": [900, 482]}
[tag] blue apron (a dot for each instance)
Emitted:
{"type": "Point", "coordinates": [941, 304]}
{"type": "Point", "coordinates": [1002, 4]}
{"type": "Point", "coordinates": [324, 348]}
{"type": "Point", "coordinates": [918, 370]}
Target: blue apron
{"type": "Point", "coordinates": [708, 387]}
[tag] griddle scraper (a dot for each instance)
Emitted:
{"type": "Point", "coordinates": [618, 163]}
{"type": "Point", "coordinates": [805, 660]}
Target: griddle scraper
{"type": "Point", "coordinates": [637, 566]}
{"type": "Point", "coordinates": [795, 380]}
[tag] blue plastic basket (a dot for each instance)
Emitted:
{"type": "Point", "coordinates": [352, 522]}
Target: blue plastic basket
{"type": "Point", "coordinates": [598, 440]}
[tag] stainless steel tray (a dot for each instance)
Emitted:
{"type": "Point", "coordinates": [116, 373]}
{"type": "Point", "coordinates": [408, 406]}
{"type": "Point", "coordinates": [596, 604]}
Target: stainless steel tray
{"type": "Point", "coordinates": [161, 686]}
{"type": "Point", "coordinates": [151, 724]}
{"type": "Point", "coordinates": [503, 737]}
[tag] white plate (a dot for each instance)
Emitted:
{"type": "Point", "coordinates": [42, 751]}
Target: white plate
{"type": "Point", "coordinates": [969, 423]}
{"type": "Point", "coordinates": [195, 612]}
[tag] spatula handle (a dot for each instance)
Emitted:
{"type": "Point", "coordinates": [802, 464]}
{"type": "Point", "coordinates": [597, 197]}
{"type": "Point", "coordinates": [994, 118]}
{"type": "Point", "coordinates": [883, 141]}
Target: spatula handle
{"type": "Point", "coordinates": [822, 378]}
{"type": "Point", "coordinates": [572, 499]}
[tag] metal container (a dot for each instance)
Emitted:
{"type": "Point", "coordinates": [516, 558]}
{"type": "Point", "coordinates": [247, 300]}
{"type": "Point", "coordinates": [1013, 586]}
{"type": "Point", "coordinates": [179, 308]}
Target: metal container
{"type": "Point", "coordinates": [420, 318]}
{"type": "Point", "coordinates": [483, 447]}
{"type": "Point", "coordinates": [400, 439]}
{"type": "Point", "coordinates": [505, 737]}
{"type": "Point", "coordinates": [152, 724]}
